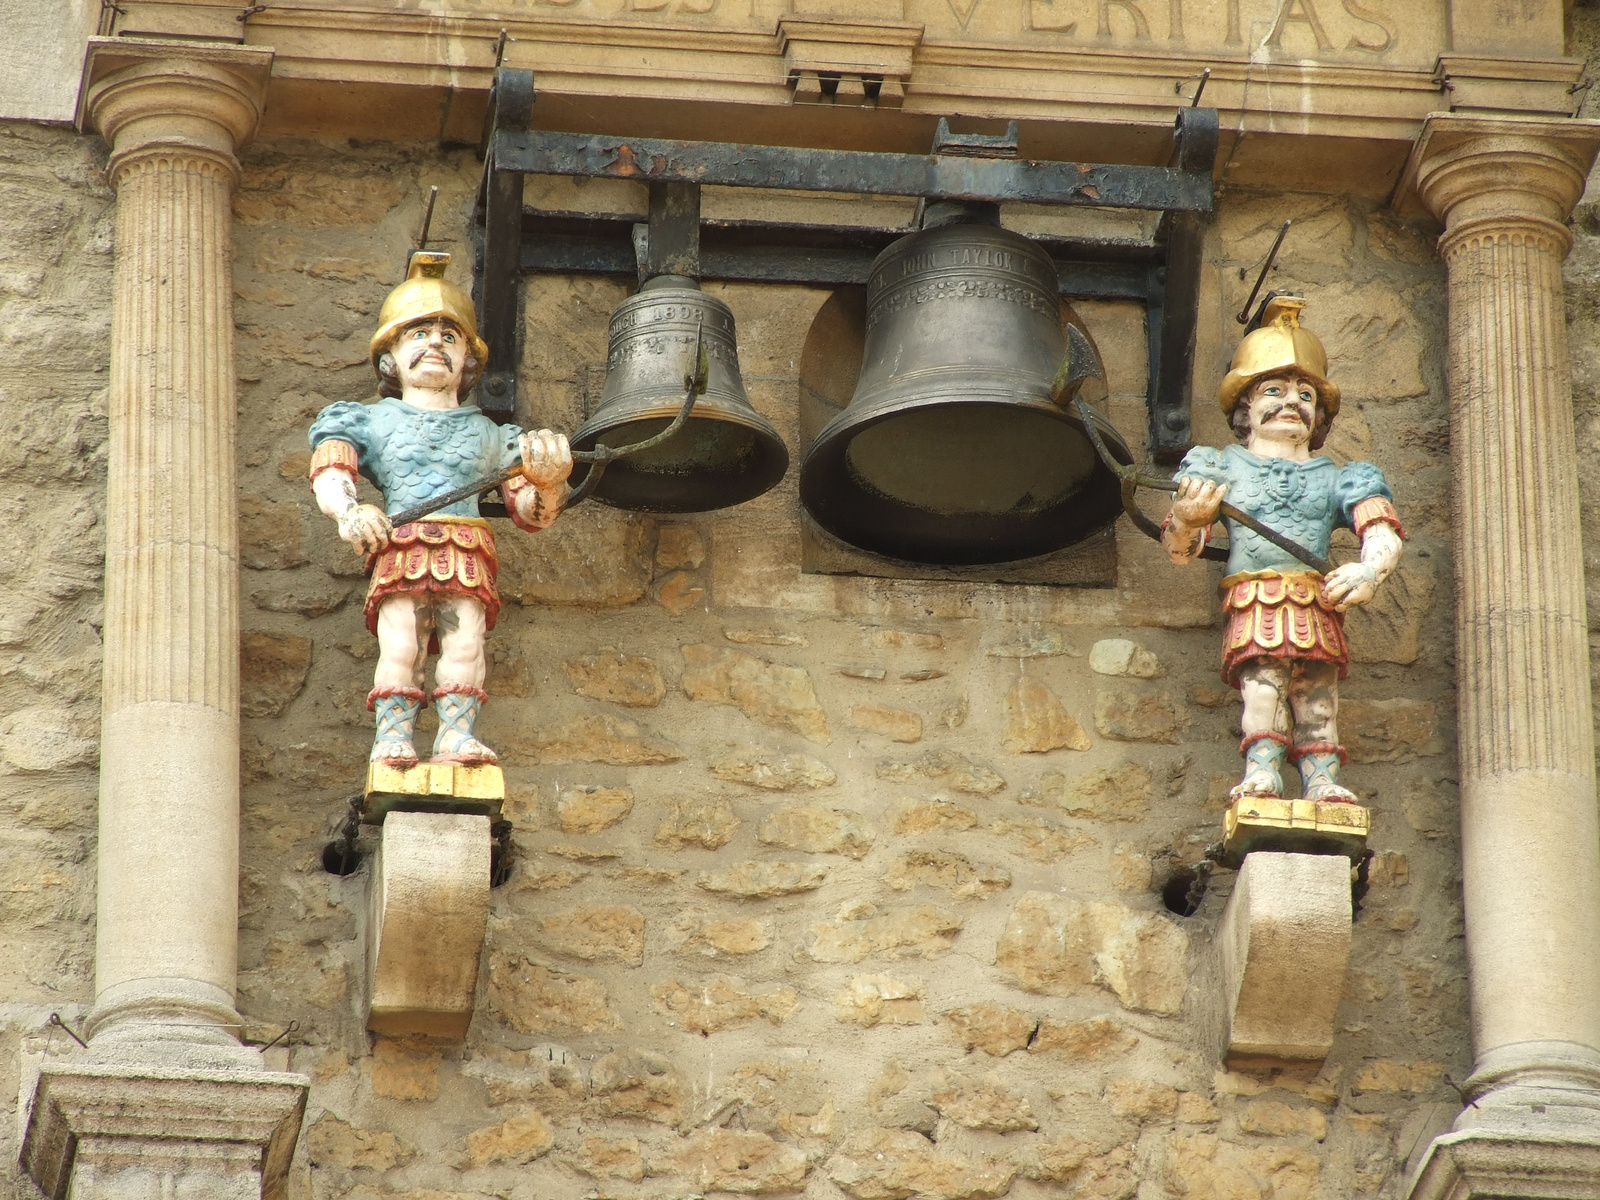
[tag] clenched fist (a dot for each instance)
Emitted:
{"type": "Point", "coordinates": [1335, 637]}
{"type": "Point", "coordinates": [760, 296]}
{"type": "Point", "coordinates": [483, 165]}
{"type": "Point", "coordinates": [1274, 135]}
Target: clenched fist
{"type": "Point", "coordinates": [1197, 502]}
{"type": "Point", "coordinates": [365, 527]}
{"type": "Point", "coordinates": [546, 458]}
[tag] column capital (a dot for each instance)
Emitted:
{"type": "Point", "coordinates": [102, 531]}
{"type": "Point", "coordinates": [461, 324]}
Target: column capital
{"type": "Point", "coordinates": [149, 98]}
{"type": "Point", "coordinates": [1499, 176]}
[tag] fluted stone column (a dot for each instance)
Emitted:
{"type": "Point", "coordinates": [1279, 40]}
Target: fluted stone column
{"type": "Point", "coordinates": [169, 1102]}
{"type": "Point", "coordinates": [1530, 838]}
{"type": "Point", "coordinates": [167, 912]}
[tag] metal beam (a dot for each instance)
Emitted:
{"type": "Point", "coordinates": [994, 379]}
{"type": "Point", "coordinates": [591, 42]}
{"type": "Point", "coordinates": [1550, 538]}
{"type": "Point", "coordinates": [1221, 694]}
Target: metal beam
{"type": "Point", "coordinates": [1173, 318]}
{"type": "Point", "coordinates": [935, 177]}
{"type": "Point", "coordinates": [816, 256]}
{"type": "Point", "coordinates": [499, 250]}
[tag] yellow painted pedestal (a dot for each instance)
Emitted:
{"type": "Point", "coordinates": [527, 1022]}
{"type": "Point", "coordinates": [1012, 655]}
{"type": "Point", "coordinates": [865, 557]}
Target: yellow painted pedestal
{"type": "Point", "coordinates": [1294, 827]}
{"type": "Point", "coordinates": [432, 787]}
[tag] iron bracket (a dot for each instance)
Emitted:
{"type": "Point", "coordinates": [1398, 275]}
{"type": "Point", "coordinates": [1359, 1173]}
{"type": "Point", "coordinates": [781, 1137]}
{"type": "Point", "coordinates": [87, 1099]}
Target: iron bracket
{"type": "Point", "coordinates": [1164, 275]}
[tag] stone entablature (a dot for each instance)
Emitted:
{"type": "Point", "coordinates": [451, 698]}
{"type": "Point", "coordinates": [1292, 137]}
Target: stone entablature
{"type": "Point", "coordinates": [1283, 72]}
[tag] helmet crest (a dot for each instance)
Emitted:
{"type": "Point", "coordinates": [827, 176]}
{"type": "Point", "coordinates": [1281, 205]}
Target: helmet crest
{"type": "Point", "coordinates": [1281, 344]}
{"type": "Point", "coordinates": [425, 294]}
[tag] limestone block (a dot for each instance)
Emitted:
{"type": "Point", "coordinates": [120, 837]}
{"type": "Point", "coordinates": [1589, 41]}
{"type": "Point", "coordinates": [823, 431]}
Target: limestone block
{"type": "Point", "coordinates": [996, 1029]}
{"type": "Point", "coordinates": [817, 830]}
{"type": "Point", "coordinates": [1061, 946]}
{"type": "Point", "coordinates": [1036, 722]}
{"type": "Point", "coordinates": [592, 809]}
{"type": "Point", "coordinates": [428, 909]}
{"type": "Point", "coordinates": [760, 880]}
{"type": "Point", "coordinates": [772, 771]}
{"type": "Point", "coordinates": [772, 693]}
{"type": "Point", "coordinates": [1098, 1037]}
{"type": "Point", "coordinates": [531, 998]}
{"type": "Point", "coordinates": [1119, 656]}
{"type": "Point", "coordinates": [947, 769]}
{"type": "Point", "coordinates": [722, 1003]}
{"type": "Point", "coordinates": [1284, 942]}
{"type": "Point", "coordinates": [609, 674]}
{"type": "Point", "coordinates": [876, 1164]}
{"type": "Point", "coordinates": [945, 869]}
{"type": "Point", "coordinates": [893, 723]}
{"type": "Point", "coordinates": [982, 1104]}
{"type": "Point", "coordinates": [922, 931]}
{"type": "Point", "coordinates": [740, 1161]}
{"type": "Point", "coordinates": [1139, 717]}
{"type": "Point", "coordinates": [272, 671]}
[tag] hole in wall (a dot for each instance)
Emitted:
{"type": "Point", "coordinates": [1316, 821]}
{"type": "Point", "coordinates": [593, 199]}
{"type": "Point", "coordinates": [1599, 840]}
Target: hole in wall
{"type": "Point", "coordinates": [340, 857]}
{"type": "Point", "coordinates": [1185, 889]}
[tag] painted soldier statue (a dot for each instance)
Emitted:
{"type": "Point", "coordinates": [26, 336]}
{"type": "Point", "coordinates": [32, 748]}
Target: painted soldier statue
{"type": "Point", "coordinates": [1284, 646]}
{"type": "Point", "coordinates": [432, 581]}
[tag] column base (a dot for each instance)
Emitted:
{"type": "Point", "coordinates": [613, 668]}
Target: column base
{"type": "Point", "coordinates": [1535, 1163]}
{"type": "Point", "coordinates": [129, 1133]}
{"type": "Point", "coordinates": [168, 1024]}
{"type": "Point", "coordinates": [1530, 1131]}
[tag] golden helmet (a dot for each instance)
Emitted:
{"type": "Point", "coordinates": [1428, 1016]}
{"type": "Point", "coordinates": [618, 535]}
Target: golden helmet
{"type": "Point", "coordinates": [427, 293]}
{"type": "Point", "coordinates": [1279, 345]}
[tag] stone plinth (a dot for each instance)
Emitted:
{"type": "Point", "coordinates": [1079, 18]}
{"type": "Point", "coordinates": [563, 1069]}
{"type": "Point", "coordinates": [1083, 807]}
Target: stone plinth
{"type": "Point", "coordinates": [428, 909]}
{"type": "Point", "coordinates": [109, 1133]}
{"type": "Point", "coordinates": [1284, 942]}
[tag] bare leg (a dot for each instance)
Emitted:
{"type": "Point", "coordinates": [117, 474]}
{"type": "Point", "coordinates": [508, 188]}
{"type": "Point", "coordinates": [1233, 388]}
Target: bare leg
{"type": "Point", "coordinates": [404, 623]}
{"type": "Point", "coordinates": [1264, 687]}
{"type": "Point", "coordinates": [463, 630]}
{"type": "Point", "coordinates": [1314, 696]}
{"type": "Point", "coordinates": [458, 678]}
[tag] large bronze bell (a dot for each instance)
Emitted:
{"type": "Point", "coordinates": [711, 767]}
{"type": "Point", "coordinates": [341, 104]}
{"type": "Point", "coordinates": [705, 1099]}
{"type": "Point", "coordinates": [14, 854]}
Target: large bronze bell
{"type": "Point", "coordinates": [725, 453]}
{"type": "Point", "coordinates": [952, 450]}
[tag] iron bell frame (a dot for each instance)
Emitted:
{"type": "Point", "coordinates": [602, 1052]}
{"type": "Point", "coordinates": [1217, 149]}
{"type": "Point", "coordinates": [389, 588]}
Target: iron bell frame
{"type": "Point", "coordinates": [512, 240]}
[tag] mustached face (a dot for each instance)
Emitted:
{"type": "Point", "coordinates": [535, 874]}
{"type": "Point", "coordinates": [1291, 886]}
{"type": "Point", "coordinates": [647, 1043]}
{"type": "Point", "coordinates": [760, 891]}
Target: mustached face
{"type": "Point", "coordinates": [1283, 406]}
{"type": "Point", "coordinates": [430, 355]}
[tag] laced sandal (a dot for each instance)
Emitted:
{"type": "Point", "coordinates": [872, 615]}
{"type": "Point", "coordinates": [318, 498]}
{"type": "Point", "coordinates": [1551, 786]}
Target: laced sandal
{"type": "Point", "coordinates": [396, 709]}
{"type": "Point", "coordinates": [1264, 753]}
{"type": "Point", "coordinates": [458, 706]}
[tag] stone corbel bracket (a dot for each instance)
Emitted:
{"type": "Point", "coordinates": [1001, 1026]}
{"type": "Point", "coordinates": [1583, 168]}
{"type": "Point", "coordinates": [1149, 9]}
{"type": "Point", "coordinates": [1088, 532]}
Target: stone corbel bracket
{"type": "Point", "coordinates": [863, 63]}
{"type": "Point", "coordinates": [1283, 945]}
{"type": "Point", "coordinates": [428, 903]}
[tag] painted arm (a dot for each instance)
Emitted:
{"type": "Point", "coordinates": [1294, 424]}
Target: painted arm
{"type": "Point", "coordinates": [1357, 582]}
{"type": "Point", "coordinates": [1196, 506]}
{"type": "Point", "coordinates": [333, 482]}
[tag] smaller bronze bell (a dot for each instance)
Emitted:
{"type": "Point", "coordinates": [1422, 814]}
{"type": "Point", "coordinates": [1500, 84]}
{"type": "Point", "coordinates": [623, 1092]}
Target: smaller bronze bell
{"type": "Point", "coordinates": [726, 453]}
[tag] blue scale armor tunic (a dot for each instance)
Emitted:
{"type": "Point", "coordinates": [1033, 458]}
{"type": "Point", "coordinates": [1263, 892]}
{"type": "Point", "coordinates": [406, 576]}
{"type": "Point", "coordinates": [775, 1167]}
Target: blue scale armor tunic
{"type": "Point", "coordinates": [1304, 501]}
{"type": "Point", "coordinates": [410, 454]}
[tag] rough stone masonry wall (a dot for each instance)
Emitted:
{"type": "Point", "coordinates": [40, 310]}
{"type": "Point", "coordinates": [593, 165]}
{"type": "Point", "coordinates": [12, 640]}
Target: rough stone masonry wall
{"type": "Point", "coordinates": [832, 886]}
{"type": "Point", "coordinates": [55, 294]}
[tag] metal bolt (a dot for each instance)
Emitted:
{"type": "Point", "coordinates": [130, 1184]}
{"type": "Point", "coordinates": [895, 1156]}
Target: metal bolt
{"type": "Point", "coordinates": [1175, 421]}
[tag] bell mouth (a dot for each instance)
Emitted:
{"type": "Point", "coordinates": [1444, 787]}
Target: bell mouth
{"type": "Point", "coordinates": [961, 481]}
{"type": "Point", "coordinates": [714, 461]}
